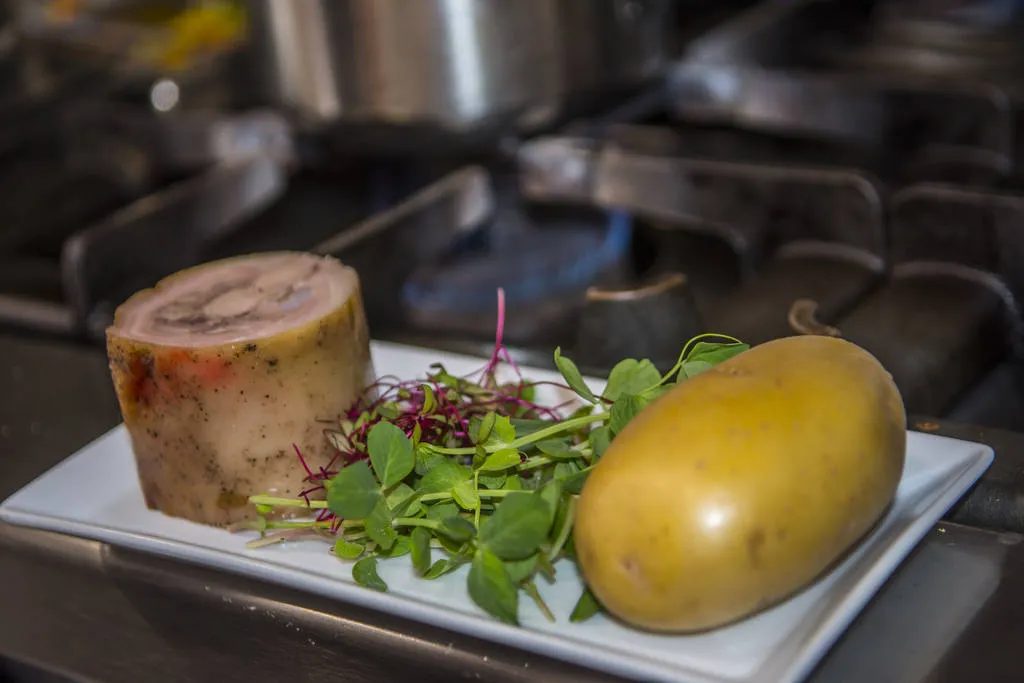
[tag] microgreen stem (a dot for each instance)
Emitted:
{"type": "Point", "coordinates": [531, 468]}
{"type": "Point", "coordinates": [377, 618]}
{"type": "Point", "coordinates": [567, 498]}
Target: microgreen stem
{"type": "Point", "coordinates": [689, 347]}
{"type": "Point", "coordinates": [300, 525]}
{"type": "Point", "coordinates": [274, 501]}
{"type": "Point", "coordinates": [531, 589]}
{"type": "Point", "coordinates": [535, 462]}
{"type": "Point", "coordinates": [534, 437]}
{"type": "Point", "coordinates": [435, 497]}
{"type": "Point", "coordinates": [431, 524]}
{"type": "Point", "coordinates": [563, 534]}
{"type": "Point", "coordinates": [476, 488]}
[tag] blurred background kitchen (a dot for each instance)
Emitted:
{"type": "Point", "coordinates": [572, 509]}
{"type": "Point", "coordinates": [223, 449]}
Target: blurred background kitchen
{"type": "Point", "coordinates": [632, 172]}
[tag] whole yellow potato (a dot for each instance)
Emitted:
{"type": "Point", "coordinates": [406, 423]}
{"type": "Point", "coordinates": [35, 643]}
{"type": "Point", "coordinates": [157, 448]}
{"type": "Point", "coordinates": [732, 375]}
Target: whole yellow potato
{"type": "Point", "coordinates": [740, 486]}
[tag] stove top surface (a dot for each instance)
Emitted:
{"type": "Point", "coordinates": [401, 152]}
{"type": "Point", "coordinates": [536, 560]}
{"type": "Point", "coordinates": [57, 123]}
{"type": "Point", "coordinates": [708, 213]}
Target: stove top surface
{"type": "Point", "coordinates": [776, 166]}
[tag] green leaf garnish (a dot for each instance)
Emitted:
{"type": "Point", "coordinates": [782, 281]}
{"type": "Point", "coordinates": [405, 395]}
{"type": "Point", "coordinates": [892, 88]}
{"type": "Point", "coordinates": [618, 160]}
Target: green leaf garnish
{"type": "Point", "coordinates": [472, 468]}
{"type": "Point", "coordinates": [348, 551]}
{"type": "Point", "coordinates": [353, 492]}
{"type": "Point", "coordinates": [631, 376]}
{"type": "Point", "coordinates": [402, 546]}
{"type": "Point", "coordinates": [573, 377]}
{"type": "Point", "coordinates": [586, 607]}
{"type": "Point", "coordinates": [465, 495]}
{"type": "Point", "coordinates": [600, 439]}
{"type": "Point", "coordinates": [446, 566]}
{"type": "Point", "coordinates": [429, 402]}
{"type": "Point", "coordinates": [420, 539]}
{"type": "Point", "coordinates": [692, 368]}
{"type": "Point", "coordinates": [492, 588]}
{"type": "Point", "coordinates": [492, 482]}
{"type": "Point", "coordinates": [518, 526]}
{"type": "Point", "coordinates": [521, 570]}
{"type": "Point", "coordinates": [557, 449]}
{"type": "Point", "coordinates": [499, 461]}
{"type": "Point", "coordinates": [441, 511]}
{"type": "Point", "coordinates": [457, 529]}
{"type": "Point", "coordinates": [403, 502]}
{"type": "Point", "coordinates": [624, 410]}
{"type": "Point", "coordinates": [378, 526]}
{"type": "Point", "coordinates": [714, 353]}
{"type": "Point", "coordinates": [486, 426]}
{"type": "Point", "coordinates": [364, 572]}
{"type": "Point", "coordinates": [390, 453]}
{"type": "Point", "coordinates": [443, 478]}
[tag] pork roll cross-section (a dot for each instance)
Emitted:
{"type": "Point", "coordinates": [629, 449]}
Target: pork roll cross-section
{"type": "Point", "coordinates": [221, 369]}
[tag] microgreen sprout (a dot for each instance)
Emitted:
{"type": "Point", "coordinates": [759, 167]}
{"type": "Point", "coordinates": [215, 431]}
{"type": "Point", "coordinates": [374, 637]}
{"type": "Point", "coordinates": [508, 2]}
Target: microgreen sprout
{"type": "Point", "coordinates": [471, 467]}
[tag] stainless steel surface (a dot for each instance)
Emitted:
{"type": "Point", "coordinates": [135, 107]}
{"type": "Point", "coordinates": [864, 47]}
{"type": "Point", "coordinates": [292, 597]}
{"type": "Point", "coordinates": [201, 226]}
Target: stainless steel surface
{"type": "Point", "coordinates": [676, 190]}
{"type": "Point", "coordinates": [104, 264]}
{"type": "Point", "coordinates": [455, 65]}
{"type": "Point", "coordinates": [963, 39]}
{"type": "Point", "coordinates": [136, 142]}
{"type": "Point", "coordinates": [43, 316]}
{"type": "Point", "coordinates": [558, 168]}
{"type": "Point", "coordinates": [777, 101]}
{"type": "Point", "coordinates": [738, 74]}
{"type": "Point", "coordinates": [950, 614]}
{"type": "Point", "coordinates": [462, 200]}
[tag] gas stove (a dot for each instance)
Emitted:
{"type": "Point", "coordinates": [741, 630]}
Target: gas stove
{"type": "Point", "coordinates": [778, 181]}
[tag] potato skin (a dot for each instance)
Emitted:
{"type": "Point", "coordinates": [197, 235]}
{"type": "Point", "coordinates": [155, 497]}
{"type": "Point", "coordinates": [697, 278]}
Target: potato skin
{"type": "Point", "coordinates": [742, 485]}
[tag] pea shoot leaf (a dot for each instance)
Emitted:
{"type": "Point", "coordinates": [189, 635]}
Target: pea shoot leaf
{"type": "Point", "coordinates": [402, 546]}
{"type": "Point", "coordinates": [353, 492]}
{"type": "Point", "coordinates": [390, 452]}
{"type": "Point", "coordinates": [440, 511]}
{"type": "Point", "coordinates": [428, 399]}
{"type": "Point", "coordinates": [692, 368]}
{"type": "Point", "coordinates": [499, 461]}
{"type": "Point", "coordinates": [378, 526]}
{"type": "Point", "coordinates": [492, 482]}
{"type": "Point", "coordinates": [492, 589]}
{"type": "Point", "coordinates": [521, 570]}
{"type": "Point", "coordinates": [364, 572]}
{"type": "Point", "coordinates": [443, 478]}
{"type": "Point", "coordinates": [465, 495]}
{"type": "Point", "coordinates": [457, 529]}
{"type": "Point", "coordinates": [557, 449]}
{"type": "Point", "coordinates": [624, 410]}
{"type": "Point", "coordinates": [573, 483]}
{"type": "Point", "coordinates": [600, 439]}
{"type": "Point", "coordinates": [714, 353]}
{"type": "Point", "coordinates": [446, 566]}
{"type": "Point", "coordinates": [573, 377]}
{"type": "Point", "coordinates": [420, 549]}
{"type": "Point", "coordinates": [631, 376]}
{"type": "Point", "coordinates": [403, 503]}
{"type": "Point", "coordinates": [586, 607]}
{"type": "Point", "coordinates": [347, 551]}
{"type": "Point", "coordinates": [551, 494]}
{"type": "Point", "coordinates": [492, 430]}
{"type": "Point", "coordinates": [427, 460]}
{"type": "Point", "coordinates": [484, 428]}
{"type": "Point", "coordinates": [518, 526]}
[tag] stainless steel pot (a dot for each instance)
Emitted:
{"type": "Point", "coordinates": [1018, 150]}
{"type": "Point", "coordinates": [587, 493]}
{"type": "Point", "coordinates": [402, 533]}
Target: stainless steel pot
{"type": "Point", "coordinates": [453, 65]}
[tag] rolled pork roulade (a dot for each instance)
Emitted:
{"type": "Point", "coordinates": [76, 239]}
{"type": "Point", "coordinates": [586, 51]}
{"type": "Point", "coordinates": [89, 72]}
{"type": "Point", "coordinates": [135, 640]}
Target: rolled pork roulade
{"type": "Point", "coordinates": [223, 369]}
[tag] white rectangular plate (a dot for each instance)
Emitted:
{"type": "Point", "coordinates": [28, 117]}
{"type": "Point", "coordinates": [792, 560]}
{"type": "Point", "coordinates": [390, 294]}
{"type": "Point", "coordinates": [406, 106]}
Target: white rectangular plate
{"type": "Point", "coordinates": [95, 494]}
